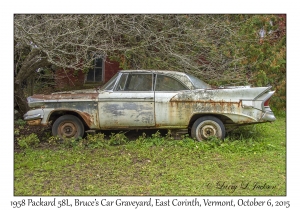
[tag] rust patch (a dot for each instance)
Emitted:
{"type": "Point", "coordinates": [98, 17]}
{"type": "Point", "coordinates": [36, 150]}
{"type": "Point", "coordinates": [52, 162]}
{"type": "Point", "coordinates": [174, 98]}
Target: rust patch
{"type": "Point", "coordinates": [34, 122]}
{"type": "Point", "coordinates": [87, 118]}
{"type": "Point", "coordinates": [181, 110]}
{"type": "Point", "coordinates": [215, 105]}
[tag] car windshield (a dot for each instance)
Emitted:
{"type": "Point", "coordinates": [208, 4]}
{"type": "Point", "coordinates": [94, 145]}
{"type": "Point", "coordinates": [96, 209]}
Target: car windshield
{"type": "Point", "coordinates": [198, 84]}
{"type": "Point", "coordinates": [110, 84]}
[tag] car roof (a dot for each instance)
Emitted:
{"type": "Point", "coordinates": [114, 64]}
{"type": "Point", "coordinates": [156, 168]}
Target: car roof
{"type": "Point", "coordinates": [153, 71]}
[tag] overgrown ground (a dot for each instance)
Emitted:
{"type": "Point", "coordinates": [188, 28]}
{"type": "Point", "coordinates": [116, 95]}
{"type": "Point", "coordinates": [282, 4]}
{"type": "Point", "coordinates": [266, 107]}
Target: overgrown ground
{"type": "Point", "coordinates": [250, 161]}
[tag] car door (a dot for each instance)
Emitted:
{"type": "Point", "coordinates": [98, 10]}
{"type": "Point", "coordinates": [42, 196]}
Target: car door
{"type": "Point", "coordinates": [130, 104]}
{"type": "Point", "coordinates": [169, 114]}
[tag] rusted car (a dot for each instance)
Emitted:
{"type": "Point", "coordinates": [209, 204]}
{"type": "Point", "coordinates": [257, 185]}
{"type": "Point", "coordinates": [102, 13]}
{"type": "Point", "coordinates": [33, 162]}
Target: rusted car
{"type": "Point", "coordinates": [152, 99]}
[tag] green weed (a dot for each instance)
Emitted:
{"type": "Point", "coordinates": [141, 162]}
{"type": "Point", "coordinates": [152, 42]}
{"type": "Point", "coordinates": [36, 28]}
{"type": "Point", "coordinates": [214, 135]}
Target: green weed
{"type": "Point", "coordinates": [29, 141]}
{"type": "Point", "coordinates": [118, 139]}
{"type": "Point", "coordinates": [17, 131]}
{"type": "Point", "coordinates": [20, 122]}
{"type": "Point", "coordinates": [54, 140]}
{"type": "Point", "coordinates": [94, 141]}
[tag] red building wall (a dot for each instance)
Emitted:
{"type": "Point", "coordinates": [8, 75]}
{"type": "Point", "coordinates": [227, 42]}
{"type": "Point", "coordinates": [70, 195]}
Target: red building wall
{"type": "Point", "coordinates": [111, 68]}
{"type": "Point", "coordinates": [70, 78]}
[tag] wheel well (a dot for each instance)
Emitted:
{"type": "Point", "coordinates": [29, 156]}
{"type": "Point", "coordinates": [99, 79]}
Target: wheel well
{"type": "Point", "coordinates": [55, 115]}
{"type": "Point", "coordinates": [224, 119]}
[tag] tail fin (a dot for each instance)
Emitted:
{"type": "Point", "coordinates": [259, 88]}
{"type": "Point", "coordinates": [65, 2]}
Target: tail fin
{"type": "Point", "coordinates": [264, 100]}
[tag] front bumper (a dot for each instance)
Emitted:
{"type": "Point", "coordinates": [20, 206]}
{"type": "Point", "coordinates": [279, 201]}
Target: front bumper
{"type": "Point", "coordinates": [34, 117]}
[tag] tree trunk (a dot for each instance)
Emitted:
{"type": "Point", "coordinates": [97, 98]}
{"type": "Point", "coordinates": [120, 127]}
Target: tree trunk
{"type": "Point", "coordinates": [30, 65]}
{"type": "Point", "coordinates": [20, 101]}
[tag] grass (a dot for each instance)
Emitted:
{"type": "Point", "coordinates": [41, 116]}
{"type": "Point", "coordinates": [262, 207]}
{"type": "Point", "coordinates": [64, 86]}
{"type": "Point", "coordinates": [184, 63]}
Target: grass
{"type": "Point", "coordinates": [250, 161]}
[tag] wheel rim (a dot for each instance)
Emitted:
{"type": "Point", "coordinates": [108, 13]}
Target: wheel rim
{"type": "Point", "coordinates": [207, 129]}
{"type": "Point", "coordinates": [67, 129]}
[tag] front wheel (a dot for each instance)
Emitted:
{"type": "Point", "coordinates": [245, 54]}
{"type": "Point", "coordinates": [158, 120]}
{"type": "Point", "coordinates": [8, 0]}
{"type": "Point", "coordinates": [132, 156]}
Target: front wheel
{"type": "Point", "coordinates": [68, 126]}
{"type": "Point", "coordinates": [208, 126]}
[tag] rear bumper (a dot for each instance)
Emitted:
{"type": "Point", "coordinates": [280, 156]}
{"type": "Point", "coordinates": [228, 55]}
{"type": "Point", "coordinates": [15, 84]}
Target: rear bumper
{"type": "Point", "coordinates": [268, 117]}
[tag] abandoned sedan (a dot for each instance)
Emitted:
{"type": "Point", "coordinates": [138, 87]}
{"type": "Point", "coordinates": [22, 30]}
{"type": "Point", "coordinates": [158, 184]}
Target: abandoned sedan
{"type": "Point", "coordinates": [152, 99]}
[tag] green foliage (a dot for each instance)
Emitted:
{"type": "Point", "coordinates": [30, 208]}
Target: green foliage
{"type": "Point", "coordinates": [94, 141]}
{"type": "Point", "coordinates": [29, 141]}
{"type": "Point", "coordinates": [54, 140]}
{"type": "Point", "coordinates": [17, 131]}
{"type": "Point", "coordinates": [264, 58]}
{"type": "Point", "coordinates": [97, 140]}
{"type": "Point", "coordinates": [70, 142]}
{"type": "Point", "coordinates": [65, 142]}
{"type": "Point", "coordinates": [156, 139]}
{"type": "Point", "coordinates": [117, 139]}
{"type": "Point", "coordinates": [20, 122]}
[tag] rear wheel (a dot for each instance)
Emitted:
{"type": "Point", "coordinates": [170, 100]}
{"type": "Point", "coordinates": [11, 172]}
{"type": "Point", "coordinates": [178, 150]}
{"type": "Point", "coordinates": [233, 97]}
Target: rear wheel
{"type": "Point", "coordinates": [68, 126]}
{"type": "Point", "coordinates": [206, 127]}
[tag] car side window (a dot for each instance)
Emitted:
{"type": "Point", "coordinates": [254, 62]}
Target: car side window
{"type": "Point", "coordinates": [122, 82]}
{"type": "Point", "coordinates": [135, 82]}
{"type": "Point", "coordinates": [166, 83]}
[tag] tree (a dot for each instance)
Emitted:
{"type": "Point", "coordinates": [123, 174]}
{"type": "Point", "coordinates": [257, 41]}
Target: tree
{"type": "Point", "coordinates": [262, 46]}
{"type": "Point", "coordinates": [205, 45]}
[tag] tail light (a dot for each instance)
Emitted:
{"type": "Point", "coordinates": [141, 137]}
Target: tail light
{"type": "Point", "coordinates": [267, 102]}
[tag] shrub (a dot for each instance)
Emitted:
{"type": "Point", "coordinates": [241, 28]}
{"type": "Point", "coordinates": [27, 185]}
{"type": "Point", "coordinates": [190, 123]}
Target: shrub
{"type": "Point", "coordinates": [17, 131]}
{"type": "Point", "coordinates": [67, 142]}
{"type": "Point", "coordinates": [53, 140]}
{"type": "Point", "coordinates": [26, 142]}
{"type": "Point", "coordinates": [70, 142]}
{"type": "Point", "coordinates": [20, 122]}
{"type": "Point", "coordinates": [117, 139]}
{"type": "Point", "coordinates": [94, 141]}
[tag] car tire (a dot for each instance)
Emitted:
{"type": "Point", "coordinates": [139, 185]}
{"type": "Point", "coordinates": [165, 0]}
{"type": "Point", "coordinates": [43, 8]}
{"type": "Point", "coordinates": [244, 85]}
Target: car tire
{"type": "Point", "coordinates": [208, 126]}
{"type": "Point", "coordinates": [68, 126]}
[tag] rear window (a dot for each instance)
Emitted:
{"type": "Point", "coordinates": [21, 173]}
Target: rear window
{"type": "Point", "coordinates": [166, 83]}
{"type": "Point", "coordinates": [198, 84]}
